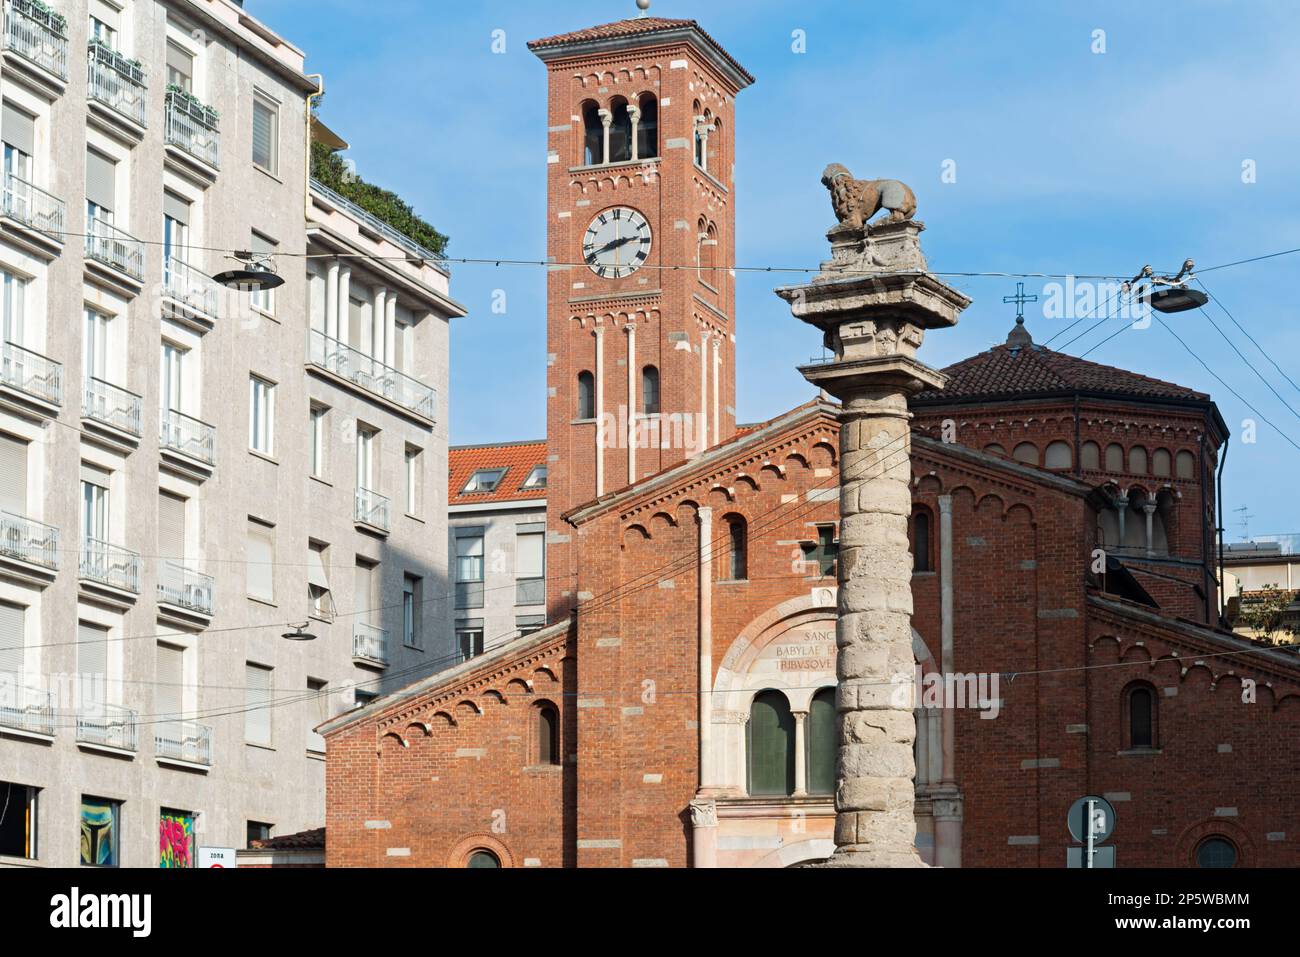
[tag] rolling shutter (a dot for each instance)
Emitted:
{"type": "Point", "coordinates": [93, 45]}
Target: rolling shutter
{"type": "Point", "coordinates": [264, 135]}
{"type": "Point", "coordinates": [177, 208]}
{"type": "Point", "coordinates": [529, 558]}
{"type": "Point", "coordinates": [11, 639]}
{"type": "Point", "coordinates": [171, 526]}
{"type": "Point", "coordinates": [19, 129]}
{"type": "Point", "coordinates": [13, 476]}
{"type": "Point", "coordinates": [101, 176]}
{"type": "Point", "coordinates": [257, 698]}
{"type": "Point", "coordinates": [92, 656]}
{"type": "Point", "coordinates": [261, 553]}
{"type": "Point", "coordinates": [171, 679]}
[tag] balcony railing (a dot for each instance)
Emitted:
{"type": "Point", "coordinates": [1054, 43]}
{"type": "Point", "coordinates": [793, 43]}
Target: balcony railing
{"type": "Point", "coordinates": [38, 34]}
{"type": "Point", "coordinates": [108, 725]}
{"type": "Point", "coordinates": [32, 206]}
{"type": "Point", "coordinates": [191, 286]}
{"type": "Point", "coordinates": [25, 709]}
{"type": "Point", "coordinates": [116, 81]}
{"type": "Point", "coordinates": [371, 509]}
{"type": "Point", "coordinates": [370, 643]}
{"type": "Point", "coordinates": [530, 591]}
{"type": "Point", "coordinates": [31, 373]}
{"type": "Point", "coordinates": [115, 248]}
{"type": "Point", "coordinates": [186, 741]}
{"type": "Point", "coordinates": [388, 232]}
{"type": "Point", "coordinates": [370, 374]}
{"type": "Point", "coordinates": [185, 588]}
{"type": "Point", "coordinates": [27, 540]}
{"type": "Point", "coordinates": [193, 127]}
{"type": "Point", "coordinates": [188, 436]}
{"type": "Point", "coordinates": [111, 405]}
{"type": "Point", "coordinates": [110, 565]}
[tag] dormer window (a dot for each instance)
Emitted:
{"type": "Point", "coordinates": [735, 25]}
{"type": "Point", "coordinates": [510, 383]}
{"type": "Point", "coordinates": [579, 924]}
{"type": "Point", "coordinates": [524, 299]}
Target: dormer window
{"type": "Point", "coordinates": [484, 480]}
{"type": "Point", "coordinates": [536, 478]}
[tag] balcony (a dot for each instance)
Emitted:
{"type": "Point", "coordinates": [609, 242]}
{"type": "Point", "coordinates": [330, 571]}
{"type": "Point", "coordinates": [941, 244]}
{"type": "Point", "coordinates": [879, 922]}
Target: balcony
{"type": "Point", "coordinates": [26, 709]}
{"type": "Point", "coordinates": [37, 34]}
{"type": "Point", "coordinates": [377, 225]}
{"type": "Point", "coordinates": [185, 588]}
{"type": "Point", "coordinates": [31, 374]}
{"type": "Point", "coordinates": [370, 374]}
{"type": "Point", "coordinates": [185, 741]}
{"type": "Point", "coordinates": [108, 726]}
{"type": "Point", "coordinates": [33, 207]}
{"type": "Point", "coordinates": [371, 509]}
{"type": "Point", "coordinates": [110, 565]}
{"type": "Point", "coordinates": [113, 247]}
{"type": "Point", "coordinates": [530, 591]}
{"type": "Point", "coordinates": [188, 436]}
{"type": "Point", "coordinates": [26, 540]}
{"type": "Point", "coordinates": [191, 287]}
{"type": "Point", "coordinates": [112, 406]}
{"type": "Point", "coordinates": [116, 81]}
{"type": "Point", "coordinates": [192, 127]}
{"type": "Point", "coordinates": [369, 645]}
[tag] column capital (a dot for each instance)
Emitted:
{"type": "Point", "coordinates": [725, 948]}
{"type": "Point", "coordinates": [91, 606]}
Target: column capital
{"type": "Point", "coordinates": [705, 514]}
{"type": "Point", "coordinates": [606, 117]}
{"type": "Point", "coordinates": [945, 504]}
{"type": "Point", "coordinates": [704, 813]}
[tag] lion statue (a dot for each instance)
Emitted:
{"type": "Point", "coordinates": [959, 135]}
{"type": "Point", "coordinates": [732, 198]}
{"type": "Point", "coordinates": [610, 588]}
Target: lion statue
{"type": "Point", "coordinates": [856, 200]}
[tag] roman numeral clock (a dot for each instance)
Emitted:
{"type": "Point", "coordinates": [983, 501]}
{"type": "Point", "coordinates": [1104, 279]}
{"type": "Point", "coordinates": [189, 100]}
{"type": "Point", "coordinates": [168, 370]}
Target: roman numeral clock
{"type": "Point", "coordinates": [617, 242]}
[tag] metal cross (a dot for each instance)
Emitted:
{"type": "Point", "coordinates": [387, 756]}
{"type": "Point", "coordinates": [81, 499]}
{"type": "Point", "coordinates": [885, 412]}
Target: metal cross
{"type": "Point", "coordinates": [1020, 299]}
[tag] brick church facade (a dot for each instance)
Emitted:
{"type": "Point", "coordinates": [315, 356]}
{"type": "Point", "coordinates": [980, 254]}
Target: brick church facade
{"type": "Point", "coordinates": [679, 708]}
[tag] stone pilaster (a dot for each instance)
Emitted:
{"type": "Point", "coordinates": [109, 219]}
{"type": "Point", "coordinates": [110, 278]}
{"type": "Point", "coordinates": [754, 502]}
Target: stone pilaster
{"type": "Point", "coordinates": [874, 301]}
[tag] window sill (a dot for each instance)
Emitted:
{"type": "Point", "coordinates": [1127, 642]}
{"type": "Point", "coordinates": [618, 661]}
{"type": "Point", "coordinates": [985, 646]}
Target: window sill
{"type": "Point", "coordinates": [323, 481]}
{"type": "Point", "coordinates": [732, 581]}
{"type": "Point", "coordinates": [315, 755]}
{"type": "Point", "coordinates": [263, 456]}
{"type": "Point", "coordinates": [582, 422]}
{"type": "Point", "coordinates": [1138, 752]}
{"type": "Point", "coordinates": [268, 602]}
{"type": "Point", "coordinates": [600, 167]}
{"type": "Point", "coordinates": [413, 647]}
{"type": "Point", "coordinates": [415, 518]}
{"type": "Point", "coordinates": [543, 769]}
{"type": "Point", "coordinates": [7, 861]}
{"type": "Point", "coordinates": [925, 574]}
{"type": "Point", "coordinates": [266, 172]}
{"type": "Point", "coordinates": [259, 747]}
{"type": "Point", "coordinates": [258, 311]}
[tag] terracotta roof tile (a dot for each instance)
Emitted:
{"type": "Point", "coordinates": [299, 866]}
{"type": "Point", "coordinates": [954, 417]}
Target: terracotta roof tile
{"type": "Point", "coordinates": [303, 840]}
{"type": "Point", "coordinates": [635, 27]}
{"type": "Point", "coordinates": [1020, 369]}
{"type": "Point", "coordinates": [517, 458]}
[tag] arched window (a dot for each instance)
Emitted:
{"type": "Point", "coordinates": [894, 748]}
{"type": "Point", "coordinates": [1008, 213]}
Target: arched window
{"type": "Point", "coordinates": [1161, 463]}
{"type": "Point", "coordinates": [1058, 455]}
{"type": "Point", "coordinates": [823, 746]}
{"type": "Point", "coordinates": [586, 395]}
{"type": "Point", "coordinates": [1216, 851]}
{"type": "Point", "coordinates": [771, 744]}
{"type": "Point", "coordinates": [620, 132]}
{"type": "Point", "coordinates": [1026, 452]}
{"type": "Point", "coordinates": [593, 135]}
{"type": "Point", "coordinates": [995, 449]}
{"type": "Point", "coordinates": [708, 240]}
{"type": "Point", "coordinates": [1162, 522]}
{"type": "Point", "coordinates": [482, 858]}
{"type": "Point", "coordinates": [1090, 455]}
{"type": "Point", "coordinates": [548, 734]}
{"type": "Point", "coordinates": [1185, 465]}
{"type": "Point", "coordinates": [1137, 460]}
{"type": "Point", "coordinates": [1140, 705]}
{"type": "Point", "coordinates": [1114, 457]}
{"type": "Point", "coordinates": [921, 541]}
{"type": "Point", "coordinates": [647, 131]}
{"type": "Point", "coordinates": [737, 549]}
{"type": "Point", "coordinates": [650, 390]}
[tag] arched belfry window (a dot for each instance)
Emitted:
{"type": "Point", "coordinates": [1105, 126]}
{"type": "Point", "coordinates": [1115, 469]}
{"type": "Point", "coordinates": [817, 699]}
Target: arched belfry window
{"type": "Point", "coordinates": [620, 132]}
{"type": "Point", "coordinates": [771, 745]}
{"type": "Point", "coordinates": [586, 395]}
{"type": "Point", "coordinates": [921, 558]}
{"type": "Point", "coordinates": [593, 135]}
{"type": "Point", "coordinates": [737, 549]}
{"type": "Point", "coordinates": [822, 743]}
{"type": "Point", "coordinates": [548, 734]}
{"type": "Point", "coordinates": [1140, 705]}
{"type": "Point", "coordinates": [1216, 851]}
{"type": "Point", "coordinates": [647, 131]}
{"type": "Point", "coordinates": [650, 390]}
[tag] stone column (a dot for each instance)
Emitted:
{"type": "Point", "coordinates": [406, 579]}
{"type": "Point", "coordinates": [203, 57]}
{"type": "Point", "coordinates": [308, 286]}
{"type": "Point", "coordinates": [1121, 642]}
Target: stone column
{"type": "Point", "coordinates": [704, 832]}
{"type": "Point", "coordinates": [634, 112]}
{"type": "Point", "coordinates": [703, 430]}
{"type": "Point", "coordinates": [379, 308]}
{"type": "Point", "coordinates": [800, 752]}
{"type": "Point", "coordinates": [874, 300]}
{"type": "Point", "coordinates": [345, 306]}
{"type": "Point", "coordinates": [707, 777]}
{"type": "Point", "coordinates": [332, 300]}
{"type": "Point", "coordinates": [717, 378]}
{"type": "Point", "coordinates": [390, 331]}
{"type": "Point", "coordinates": [1149, 509]}
{"type": "Point", "coordinates": [606, 120]}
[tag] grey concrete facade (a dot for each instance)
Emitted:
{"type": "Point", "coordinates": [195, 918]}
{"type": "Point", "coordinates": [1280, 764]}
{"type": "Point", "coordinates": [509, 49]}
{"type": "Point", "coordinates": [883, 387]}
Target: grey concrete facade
{"type": "Point", "coordinates": [167, 615]}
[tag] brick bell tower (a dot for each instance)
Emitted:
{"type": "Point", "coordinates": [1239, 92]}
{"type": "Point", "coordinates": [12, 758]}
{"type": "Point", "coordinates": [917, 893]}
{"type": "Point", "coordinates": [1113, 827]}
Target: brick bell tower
{"type": "Point", "coordinates": [641, 298]}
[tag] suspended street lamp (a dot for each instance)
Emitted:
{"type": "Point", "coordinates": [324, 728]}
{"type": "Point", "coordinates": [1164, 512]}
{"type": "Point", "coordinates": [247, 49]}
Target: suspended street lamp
{"type": "Point", "coordinates": [259, 274]}
{"type": "Point", "coordinates": [1167, 293]}
{"type": "Point", "coordinates": [299, 633]}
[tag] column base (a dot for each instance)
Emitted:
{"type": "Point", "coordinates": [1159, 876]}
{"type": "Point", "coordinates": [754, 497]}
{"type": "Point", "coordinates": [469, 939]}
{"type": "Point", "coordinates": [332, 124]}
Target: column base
{"type": "Point", "coordinates": [864, 855]}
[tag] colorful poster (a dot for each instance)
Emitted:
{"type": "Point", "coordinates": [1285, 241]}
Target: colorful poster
{"type": "Point", "coordinates": [98, 833]}
{"type": "Point", "coordinates": [175, 839]}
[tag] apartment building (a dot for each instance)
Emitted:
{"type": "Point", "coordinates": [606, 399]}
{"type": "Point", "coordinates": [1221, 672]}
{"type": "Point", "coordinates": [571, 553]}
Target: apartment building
{"type": "Point", "coordinates": [189, 472]}
{"type": "Point", "coordinates": [496, 544]}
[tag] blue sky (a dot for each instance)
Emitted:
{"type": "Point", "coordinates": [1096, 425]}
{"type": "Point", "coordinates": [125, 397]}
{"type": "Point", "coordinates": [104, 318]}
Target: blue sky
{"type": "Point", "coordinates": [1067, 161]}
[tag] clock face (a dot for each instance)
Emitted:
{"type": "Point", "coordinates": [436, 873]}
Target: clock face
{"type": "Point", "coordinates": [616, 243]}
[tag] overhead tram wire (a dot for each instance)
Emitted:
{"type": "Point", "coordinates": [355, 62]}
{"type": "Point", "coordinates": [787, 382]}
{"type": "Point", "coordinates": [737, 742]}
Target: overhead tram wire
{"type": "Point", "coordinates": [1218, 302]}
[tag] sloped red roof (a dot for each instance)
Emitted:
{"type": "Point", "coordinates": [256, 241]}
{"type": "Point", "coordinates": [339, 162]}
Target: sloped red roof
{"type": "Point", "coordinates": [303, 840]}
{"type": "Point", "coordinates": [635, 27]}
{"type": "Point", "coordinates": [1020, 369]}
{"type": "Point", "coordinates": [517, 458]}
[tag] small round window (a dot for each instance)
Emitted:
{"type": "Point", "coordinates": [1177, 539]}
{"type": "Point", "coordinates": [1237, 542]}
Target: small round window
{"type": "Point", "coordinates": [1216, 852]}
{"type": "Point", "coordinates": [481, 858]}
